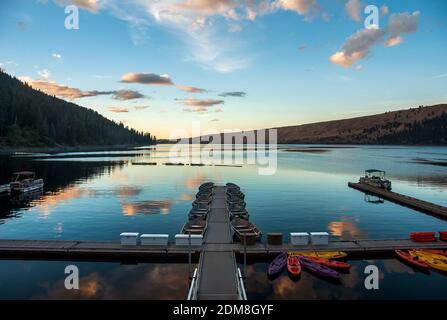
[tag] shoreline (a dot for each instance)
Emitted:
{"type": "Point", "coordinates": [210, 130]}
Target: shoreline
{"type": "Point", "coordinates": [5, 151]}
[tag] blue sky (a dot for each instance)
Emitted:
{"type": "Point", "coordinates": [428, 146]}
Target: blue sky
{"type": "Point", "coordinates": [257, 63]}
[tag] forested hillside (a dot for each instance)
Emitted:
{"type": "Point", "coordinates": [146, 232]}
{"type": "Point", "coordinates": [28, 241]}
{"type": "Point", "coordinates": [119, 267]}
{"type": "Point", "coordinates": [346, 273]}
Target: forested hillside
{"type": "Point", "coordinates": [32, 118]}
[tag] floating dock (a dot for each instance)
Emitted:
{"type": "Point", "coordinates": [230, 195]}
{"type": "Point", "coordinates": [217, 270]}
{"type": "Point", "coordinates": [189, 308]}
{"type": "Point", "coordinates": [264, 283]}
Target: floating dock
{"type": "Point", "coordinates": [114, 251]}
{"type": "Point", "coordinates": [217, 274]}
{"type": "Point", "coordinates": [420, 205]}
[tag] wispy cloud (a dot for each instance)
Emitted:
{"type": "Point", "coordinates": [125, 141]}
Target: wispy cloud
{"type": "Point", "coordinates": [191, 89]}
{"type": "Point", "coordinates": [140, 107]}
{"type": "Point", "coordinates": [127, 95]}
{"type": "Point", "coordinates": [239, 94]}
{"type": "Point", "coordinates": [353, 9]}
{"type": "Point", "coordinates": [193, 102]}
{"type": "Point", "coordinates": [90, 5]}
{"type": "Point", "coordinates": [359, 45]}
{"type": "Point", "coordinates": [44, 73]}
{"type": "Point", "coordinates": [118, 109]}
{"type": "Point", "coordinates": [196, 24]}
{"type": "Point", "coordinates": [148, 78]}
{"type": "Point", "coordinates": [199, 105]}
{"type": "Point", "coordinates": [63, 91]}
{"type": "Point", "coordinates": [56, 56]}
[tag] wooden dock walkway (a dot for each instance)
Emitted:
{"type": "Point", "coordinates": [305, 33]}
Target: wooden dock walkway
{"type": "Point", "coordinates": [420, 205]}
{"type": "Point", "coordinates": [114, 251]}
{"type": "Point", "coordinates": [217, 272]}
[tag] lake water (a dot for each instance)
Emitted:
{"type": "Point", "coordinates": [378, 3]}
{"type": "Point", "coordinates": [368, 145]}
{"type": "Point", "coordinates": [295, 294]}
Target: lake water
{"type": "Point", "coordinates": [96, 196]}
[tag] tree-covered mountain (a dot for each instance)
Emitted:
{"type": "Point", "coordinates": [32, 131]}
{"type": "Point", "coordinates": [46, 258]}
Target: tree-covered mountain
{"type": "Point", "coordinates": [32, 118]}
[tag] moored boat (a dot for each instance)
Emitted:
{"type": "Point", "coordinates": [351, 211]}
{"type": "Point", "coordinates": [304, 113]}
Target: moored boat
{"type": "Point", "coordinates": [293, 266]}
{"type": "Point", "coordinates": [414, 261]}
{"type": "Point", "coordinates": [25, 181]}
{"type": "Point", "coordinates": [244, 229]}
{"type": "Point", "coordinates": [277, 265]}
{"type": "Point", "coordinates": [318, 269]}
{"type": "Point", "coordinates": [376, 178]}
{"type": "Point", "coordinates": [194, 226]}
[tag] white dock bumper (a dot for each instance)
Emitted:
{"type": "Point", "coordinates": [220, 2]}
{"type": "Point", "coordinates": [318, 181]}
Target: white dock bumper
{"type": "Point", "coordinates": [319, 238]}
{"type": "Point", "coordinates": [154, 239]}
{"type": "Point", "coordinates": [129, 238]}
{"type": "Point", "coordinates": [299, 238]}
{"type": "Point", "coordinates": [183, 240]}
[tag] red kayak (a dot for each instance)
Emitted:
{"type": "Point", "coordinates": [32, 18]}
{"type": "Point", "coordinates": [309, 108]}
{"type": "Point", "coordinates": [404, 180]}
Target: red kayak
{"type": "Point", "coordinates": [413, 261]}
{"type": "Point", "coordinates": [330, 263]}
{"type": "Point", "coordinates": [293, 266]}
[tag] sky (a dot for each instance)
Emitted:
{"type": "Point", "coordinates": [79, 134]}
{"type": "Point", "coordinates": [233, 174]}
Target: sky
{"type": "Point", "coordinates": [162, 66]}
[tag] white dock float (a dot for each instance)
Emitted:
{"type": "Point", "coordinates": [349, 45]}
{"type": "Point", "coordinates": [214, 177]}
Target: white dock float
{"type": "Point", "coordinates": [319, 238]}
{"type": "Point", "coordinates": [299, 238]}
{"type": "Point", "coordinates": [154, 239]}
{"type": "Point", "coordinates": [183, 240]}
{"type": "Point", "coordinates": [129, 238]}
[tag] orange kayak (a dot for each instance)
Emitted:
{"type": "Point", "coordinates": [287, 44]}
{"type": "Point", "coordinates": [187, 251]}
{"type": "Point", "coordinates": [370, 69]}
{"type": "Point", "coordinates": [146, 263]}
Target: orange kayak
{"type": "Point", "coordinates": [435, 251]}
{"type": "Point", "coordinates": [293, 266]}
{"type": "Point", "coordinates": [330, 263]}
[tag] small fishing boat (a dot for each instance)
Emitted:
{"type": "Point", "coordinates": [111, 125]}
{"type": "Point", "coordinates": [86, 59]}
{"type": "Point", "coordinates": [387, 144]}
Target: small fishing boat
{"type": "Point", "coordinates": [331, 263]}
{"type": "Point", "coordinates": [376, 178]}
{"type": "Point", "coordinates": [207, 186]}
{"type": "Point", "coordinates": [293, 266]}
{"type": "Point", "coordinates": [277, 265]}
{"type": "Point", "coordinates": [232, 186]}
{"type": "Point", "coordinates": [318, 269]}
{"type": "Point", "coordinates": [204, 194]}
{"type": "Point", "coordinates": [320, 254]}
{"type": "Point", "coordinates": [203, 199]}
{"type": "Point", "coordinates": [236, 207]}
{"type": "Point", "coordinates": [237, 194]}
{"type": "Point", "coordinates": [244, 229]}
{"type": "Point", "coordinates": [197, 214]}
{"type": "Point", "coordinates": [414, 261]}
{"type": "Point", "coordinates": [25, 181]}
{"type": "Point", "coordinates": [194, 226]}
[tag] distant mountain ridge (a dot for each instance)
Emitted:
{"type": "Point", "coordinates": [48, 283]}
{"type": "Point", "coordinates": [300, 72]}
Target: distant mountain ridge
{"type": "Point", "coordinates": [414, 126]}
{"type": "Point", "coordinates": [31, 118]}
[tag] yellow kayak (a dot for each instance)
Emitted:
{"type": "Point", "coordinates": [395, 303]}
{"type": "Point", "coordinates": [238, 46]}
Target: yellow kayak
{"type": "Point", "coordinates": [319, 254]}
{"type": "Point", "coordinates": [429, 255]}
{"type": "Point", "coordinates": [432, 262]}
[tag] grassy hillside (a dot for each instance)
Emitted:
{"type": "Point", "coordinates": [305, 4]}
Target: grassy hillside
{"type": "Point", "coordinates": [32, 118]}
{"type": "Point", "coordinates": [422, 125]}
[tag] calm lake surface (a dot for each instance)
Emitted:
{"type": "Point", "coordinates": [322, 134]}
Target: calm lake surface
{"type": "Point", "coordinates": [96, 196]}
